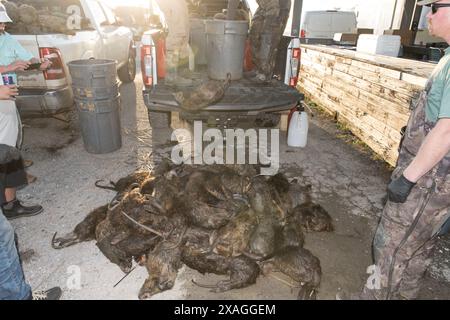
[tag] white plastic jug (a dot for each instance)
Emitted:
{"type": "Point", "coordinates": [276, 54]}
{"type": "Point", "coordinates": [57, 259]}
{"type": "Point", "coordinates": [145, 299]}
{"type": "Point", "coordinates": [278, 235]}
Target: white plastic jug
{"type": "Point", "coordinates": [298, 129]}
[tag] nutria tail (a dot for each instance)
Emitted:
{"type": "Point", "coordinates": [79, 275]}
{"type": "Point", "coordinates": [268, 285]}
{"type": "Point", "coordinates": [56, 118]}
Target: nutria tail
{"type": "Point", "coordinates": [113, 188]}
{"type": "Point", "coordinates": [207, 286]}
{"type": "Point", "coordinates": [66, 241]}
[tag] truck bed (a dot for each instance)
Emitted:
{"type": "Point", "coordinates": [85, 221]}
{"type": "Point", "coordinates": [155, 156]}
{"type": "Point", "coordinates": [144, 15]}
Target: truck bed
{"type": "Point", "coordinates": [243, 96]}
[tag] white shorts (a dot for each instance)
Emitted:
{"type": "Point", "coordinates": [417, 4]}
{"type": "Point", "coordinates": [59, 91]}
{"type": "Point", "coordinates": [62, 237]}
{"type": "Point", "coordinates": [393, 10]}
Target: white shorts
{"type": "Point", "coordinates": [9, 123]}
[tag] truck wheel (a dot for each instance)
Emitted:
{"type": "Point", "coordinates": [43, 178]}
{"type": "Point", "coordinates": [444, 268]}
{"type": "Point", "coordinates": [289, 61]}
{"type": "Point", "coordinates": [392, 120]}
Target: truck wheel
{"type": "Point", "coordinates": [127, 73]}
{"type": "Point", "coordinates": [159, 120]}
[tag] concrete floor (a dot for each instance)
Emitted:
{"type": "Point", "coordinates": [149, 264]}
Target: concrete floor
{"type": "Point", "coordinates": [348, 183]}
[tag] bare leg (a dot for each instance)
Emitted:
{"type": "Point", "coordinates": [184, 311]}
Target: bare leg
{"type": "Point", "coordinates": [10, 194]}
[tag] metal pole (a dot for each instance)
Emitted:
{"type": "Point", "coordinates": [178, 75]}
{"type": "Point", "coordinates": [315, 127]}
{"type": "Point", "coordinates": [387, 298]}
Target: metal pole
{"type": "Point", "coordinates": [296, 18]}
{"type": "Point", "coordinates": [394, 14]}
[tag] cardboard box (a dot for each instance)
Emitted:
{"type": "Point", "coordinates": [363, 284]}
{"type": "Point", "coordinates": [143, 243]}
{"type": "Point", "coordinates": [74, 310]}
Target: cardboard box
{"type": "Point", "coordinates": [347, 38]}
{"type": "Point", "coordinates": [387, 45]}
{"type": "Point", "coordinates": [406, 35]}
{"type": "Point", "coordinates": [364, 31]}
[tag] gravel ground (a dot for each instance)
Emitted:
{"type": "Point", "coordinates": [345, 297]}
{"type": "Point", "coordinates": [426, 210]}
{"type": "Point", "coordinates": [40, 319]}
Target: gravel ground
{"type": "Point", "coordinates": [347, 182]}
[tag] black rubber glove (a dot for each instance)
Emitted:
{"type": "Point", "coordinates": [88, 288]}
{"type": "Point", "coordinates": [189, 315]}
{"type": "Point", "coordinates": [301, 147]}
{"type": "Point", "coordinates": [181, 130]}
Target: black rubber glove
{"type": "Point", "coordinates": [8, 154]}
{"type": "Point", "coordinates": [399, 189]}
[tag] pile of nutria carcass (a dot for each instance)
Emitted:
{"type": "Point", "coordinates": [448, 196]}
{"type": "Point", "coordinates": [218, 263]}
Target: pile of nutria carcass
{"type": "Point", "coordinates": [221, 219]}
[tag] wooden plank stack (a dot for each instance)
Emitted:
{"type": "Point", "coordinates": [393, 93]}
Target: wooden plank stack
{"type": "Point", "coordinates": [370, 94]}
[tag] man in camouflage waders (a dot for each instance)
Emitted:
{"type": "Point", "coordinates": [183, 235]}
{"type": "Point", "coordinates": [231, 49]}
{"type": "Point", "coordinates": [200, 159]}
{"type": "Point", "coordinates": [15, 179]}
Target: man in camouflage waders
{"type": "Point", "coordinates": [266, 31]}
{"type": "Point", "coordinates": [419, 192]}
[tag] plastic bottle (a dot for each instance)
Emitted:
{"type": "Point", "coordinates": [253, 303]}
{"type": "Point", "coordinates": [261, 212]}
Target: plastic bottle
{"type": "Point", "coordinates": [298, 128]}
{"type": "Point", "coordinates": [191, 59]}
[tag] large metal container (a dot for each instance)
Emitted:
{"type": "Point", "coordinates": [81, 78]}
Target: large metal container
{"type": "Point", "coordinates": [225, 46]}
{"type": "Point", "coordinates": [96, 93]}
{"type": "Point", "coordinates": [93, 73]}
{"type": "Point", "coordinates": [98, 104]}
{"type": "Point", "coordinates": [100, 124]}
{"type": "Point", "coordinates": [198, 40]}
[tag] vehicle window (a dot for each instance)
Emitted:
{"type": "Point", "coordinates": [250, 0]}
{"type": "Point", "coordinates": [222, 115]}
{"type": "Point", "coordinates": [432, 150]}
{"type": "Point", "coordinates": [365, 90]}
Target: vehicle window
{"type": "Point", "coordinates": [97, 12]}
{"type": "Point", "coordinates": [343, 22]}
{"type": "Point", "coordinates": [55, 7]}
{"type": "Point", "coordinates": [110, 16]}
{"type": "Point", "coordinates": [318, 22]}
{"type": "Point", "coordinates": [47, 16]}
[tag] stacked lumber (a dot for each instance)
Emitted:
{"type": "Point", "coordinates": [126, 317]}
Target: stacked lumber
{"type": "Point", "coordinates": [370, 94]}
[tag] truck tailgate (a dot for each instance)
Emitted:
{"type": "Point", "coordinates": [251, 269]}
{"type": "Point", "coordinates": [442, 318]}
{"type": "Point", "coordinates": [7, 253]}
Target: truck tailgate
{"type": "Point", "coordinates": [241, 96]}
{"type": "Point", "coordinates": [30, 79]}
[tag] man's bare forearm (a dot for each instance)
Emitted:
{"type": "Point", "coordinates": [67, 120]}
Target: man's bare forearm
{"type": "Point", "coordinates": [434, 148]}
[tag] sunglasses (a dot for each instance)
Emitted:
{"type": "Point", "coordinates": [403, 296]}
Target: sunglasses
{"type": "Point", "coordinates": [435, 6]}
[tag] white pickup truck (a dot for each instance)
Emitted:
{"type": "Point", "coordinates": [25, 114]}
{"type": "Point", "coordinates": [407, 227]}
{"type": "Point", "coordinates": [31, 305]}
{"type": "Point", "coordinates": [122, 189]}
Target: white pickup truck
{"type": "Point", "coordinates": [97, 35]}
{"type": "Point", "coordinates": [244, 99]}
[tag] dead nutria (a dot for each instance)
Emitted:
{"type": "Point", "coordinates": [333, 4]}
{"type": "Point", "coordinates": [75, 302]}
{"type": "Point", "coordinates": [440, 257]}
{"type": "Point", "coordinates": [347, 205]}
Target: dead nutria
{"type": "Point", "coordinates": [202, 215]}
{"type": "Point", "coordinates": [241, 15]}
{"type": "Point", "coordinates": [291, 235]}
{"type": "Point", "coordinates": [196, 253]}
{"type": "Point", "coordinates": [123, 184]}
{"type": "Point", "coordinates": [162, 265]}
{"type": "Point", "coordinates": [313, 217]}
{"type": "Point", "coordinates": [135, 206]}
{"type": "Point", "coordinates": [28, 14]}
{"type": "Point", "coordinates": [205, 186]}
{"type": "Point", "coordinates": [208, 203]}
{"type": "Point", "coordinates": [299, 194]}
{"type": "Point", "coordinates": [137, 245]}
{"type": "Point", "coordinates": [280, 193]}
{"type": "Point", "coordinates": [260, 195]}
{"type": "Point", "coordinates": [115, 254]}
{"type": "Point", "coordinates": [107, 236]}
{"type": "Point", "coordinates": [280, 183]}
{"type": "Point", "coordinates": [204, 95]}
{"type": "Point", "coordinates": [84, 231]}
{"type": "Point", "coordinates": [165, 193]}
{"type": "Point", "coordinates": [141, 215]}
{"type": "Point", "coordinates": [217, 219]}
{"type": "Point", "coordinates": [262, 240]}
{"type": "Point", "coordinates": [301, 266]}
{"type": "Point", "coordinates": [232, 239]}
{"type": "Point", "coordinates": [243, 272]}
{"type": "Point", "coordinates": [234, 183]}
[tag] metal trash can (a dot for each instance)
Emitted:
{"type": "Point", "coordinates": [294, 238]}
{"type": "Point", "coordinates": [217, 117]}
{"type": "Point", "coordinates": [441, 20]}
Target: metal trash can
{"type": "Point", "coordinates": [225, 47]}
{"type": "Point", "coordinates": [198, 41]}
{"type": "Point", "coordinates": [97, 101]}
{"type": "Point", "coordinates": [100, 124]}
{"type": "Point", "coordinates": [93, 73]}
